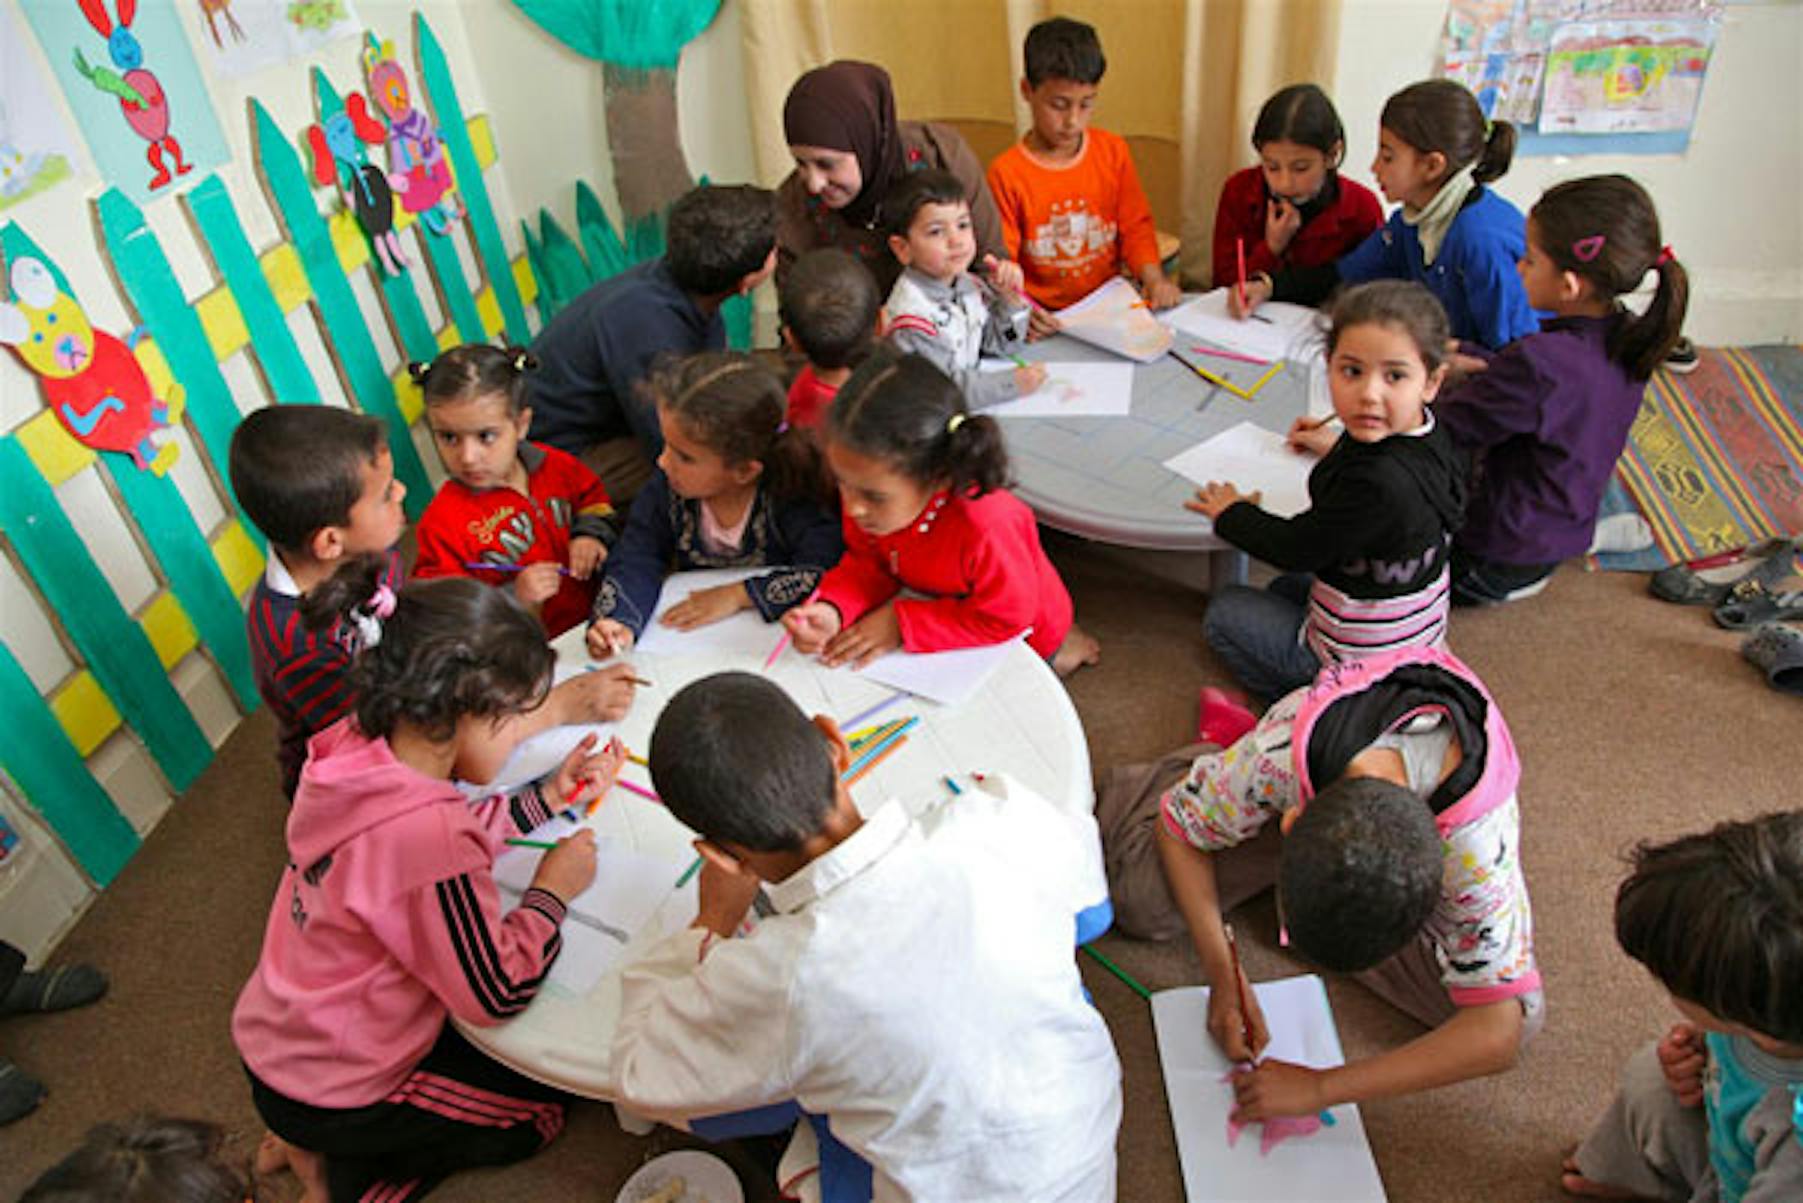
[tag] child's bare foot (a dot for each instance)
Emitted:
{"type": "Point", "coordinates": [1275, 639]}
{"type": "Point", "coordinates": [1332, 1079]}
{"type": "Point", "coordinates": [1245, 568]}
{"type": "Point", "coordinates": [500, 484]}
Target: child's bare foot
{"type": "Point", "coordinates": [1572, 1180]}
{"type": "Point", "coordinates": [1079, 648]}
{"type": "Point", "coordinates": [272, 1155]}
{"type": "Point", "coordinates": [275, 1154]}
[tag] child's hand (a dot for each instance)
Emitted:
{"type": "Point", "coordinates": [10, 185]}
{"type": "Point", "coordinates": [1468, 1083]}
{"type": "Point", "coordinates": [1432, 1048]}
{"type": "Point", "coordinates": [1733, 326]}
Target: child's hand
{"type": "Point", "coordinates": [586, 554]}
{"type": "Point", "coordinates": [1006, 275]}
{"type": "Point", "coordinates": [1282, 220]}
{"type": "Point", "coordinates": [727, 889]}
{"type": "Point", "coordinates": [1273, 1088]}
{"type": "Point", "coordinates": [608, 638]}
{"type": "Point", "coordinates": [1041, 324]}
{"type": "Point", "coordinates": [1216, 496]}
{"type": "Point", "coordinates": [1682, 1059]}
{"type": "Point", "coordinates": [601, 696]}
{"type": "Point", "coordinates": [1160, 290]}
{"type": "Point", "coordinates": [1313, 435]}
{"type": "Point", "coordinates": [864, 640]}
{"type": "Point", "coordinates": [1028, 379]}
{"type": "Point", "coordinates": [536, 583]}
{"type": "Point", "coordinates": [706, 606]}
{"type": "Point", "coordinates": [585, 773]}
{"type": "Point", "coordinates": [567, 869]}
{"type": "Point", "coordinates": [1257, 293]}
{"type": "Point", "coordinates": [1228, 1027]}
{"type": "Point", "coordinates": [812, 625]}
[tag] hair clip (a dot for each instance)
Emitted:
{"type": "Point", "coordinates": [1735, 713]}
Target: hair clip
{"type": "Point", "coordinates": [952, 423]}
{"type": "Point", "coordinates": [783, 428]}
{"type": "Point", "coordinates": [381, 602]}
{"type": "Point", "coordinates": [1589, 248]}
{"type": "Point", "coordinates": [418, 370]}
{"type": "Point", "coordinates": [1665, 257]}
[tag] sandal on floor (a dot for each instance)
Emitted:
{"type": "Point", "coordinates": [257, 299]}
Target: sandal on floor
{"type": "Point", "coordinates": [1225, 717]}
{"type": "Point", "coordinates": [1751, 603]}
{"type": "Point", "coordinates": [1777, 650]}
{"type": "Point", "coordinates": [1768, 562]}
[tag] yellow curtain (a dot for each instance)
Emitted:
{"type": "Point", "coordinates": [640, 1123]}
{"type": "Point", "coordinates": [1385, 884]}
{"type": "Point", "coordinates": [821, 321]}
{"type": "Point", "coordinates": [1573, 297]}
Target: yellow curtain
{"type": "Point", "coordinates": [1185, 78]}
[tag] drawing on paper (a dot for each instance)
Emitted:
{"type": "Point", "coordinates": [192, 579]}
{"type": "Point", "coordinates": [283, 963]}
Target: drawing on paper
{"type": "Point", "coordinates": [140, 95]}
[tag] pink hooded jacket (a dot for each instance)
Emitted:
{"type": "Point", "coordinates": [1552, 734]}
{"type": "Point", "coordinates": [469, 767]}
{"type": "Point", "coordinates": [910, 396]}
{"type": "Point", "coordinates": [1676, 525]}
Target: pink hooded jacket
{"type": "Point", "coordinates": [386, 920]}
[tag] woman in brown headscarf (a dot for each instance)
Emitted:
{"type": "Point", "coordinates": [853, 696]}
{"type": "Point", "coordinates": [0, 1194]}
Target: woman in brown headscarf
{"type": "Point", "coordinates": [849, 152]}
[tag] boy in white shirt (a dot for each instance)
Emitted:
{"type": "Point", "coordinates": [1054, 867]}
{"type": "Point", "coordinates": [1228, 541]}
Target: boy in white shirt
{"type": "Point", "coordinates": [914, 997]}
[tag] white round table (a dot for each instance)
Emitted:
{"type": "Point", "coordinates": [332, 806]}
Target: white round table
{"type": "Point", "coordinates": [1019, 721]}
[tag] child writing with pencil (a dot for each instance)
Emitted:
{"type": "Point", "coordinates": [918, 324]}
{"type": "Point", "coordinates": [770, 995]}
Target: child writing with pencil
{"type": "Point", "coordinates": [1381, 801]}
{"type": "Point", "coordinates": [737, 485]}
{"type": "Point", "coordinates": [1458, 238]}
{"type": "Point", "coordinates": [922, 486]}
{"type": "Point", "coordinates": [1294, 209]}
{"type": "Point", "coordinates": [1715, 1109]}
{"type": "Point", "coordinates": [319, 482]}
{"type": "Point", "coordinates": [1366, 563]}
{"type": "Point", "coordinates": [1548, 416]}
{"type": "Point", "coordinates": [950, 1056]}
{"type": "Point", "coordinates": [388, 922]}
{"type": "Point", "coordinates": [514, 513]}
{"type": "Point", "coordinates": [1073, 211]}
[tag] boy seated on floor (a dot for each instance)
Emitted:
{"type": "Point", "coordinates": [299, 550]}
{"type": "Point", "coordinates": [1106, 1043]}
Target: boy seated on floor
{"type": "Point", "coordinates": [1396, 855]}
{"type": "Point", "coordinates": [913, 999]}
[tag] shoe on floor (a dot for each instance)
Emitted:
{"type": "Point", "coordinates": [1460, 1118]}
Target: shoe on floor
{"type": "Point", "coordinates": [1760, 565]}
{"type": "Point", "coordinates": [20, 1093]}
{"type": "Point", "coordinates": [1225, 717]}
{"type": "Point", "coordinates": [54, 989]}
{"type": "Point", "coordinates": [1683, 357]}
{"type": "Point", "coordinates": [1777, 650]}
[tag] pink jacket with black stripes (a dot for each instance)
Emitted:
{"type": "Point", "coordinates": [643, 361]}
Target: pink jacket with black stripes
{"type": "Point", "coordinates": [387, 920]}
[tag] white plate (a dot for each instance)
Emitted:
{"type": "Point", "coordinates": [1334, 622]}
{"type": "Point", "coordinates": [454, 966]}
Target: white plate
{"type": "Point", "coordinates": [706, 1179]}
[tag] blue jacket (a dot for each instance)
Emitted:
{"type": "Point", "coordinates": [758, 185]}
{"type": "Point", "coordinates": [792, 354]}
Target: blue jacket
{"type": "Point", "coordinates": [1474, 275]}
{"type": "Point", "coordinates": [663, 535]}
{"type": "Point", "coordinates": [597, 349]}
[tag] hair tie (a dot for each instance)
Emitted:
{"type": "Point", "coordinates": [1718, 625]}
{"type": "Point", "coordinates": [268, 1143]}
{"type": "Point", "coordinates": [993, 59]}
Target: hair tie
{"type": "Point", "coordinates": [952, 423]}
{"type": "Point", "coordinates": [1665, 257]}
{"type": "Point", "coordinates": [783, 428]}
{"type": "Point", "coordinates": [1586, 249]}
{"type": "Point", "coordinates": [522, 359]}
{"type": "Point", "coordinates": [418, 370]}
{"type": "Point", "coordinates": [381, 602]}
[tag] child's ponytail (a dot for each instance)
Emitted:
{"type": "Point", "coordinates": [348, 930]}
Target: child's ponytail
{"type": "Point", "coordinates": [476, 370]}
{"type": "Point", "coordinates": [1604, 229]}
{"type": "Point", "coordinates": [903, 410]}
{"type": "Point", "coordinates": [1498, 152]}
{"type": "Point", "coordinates": [1439, 116]}
{"type": "Point", "coordinates": [352, 587]}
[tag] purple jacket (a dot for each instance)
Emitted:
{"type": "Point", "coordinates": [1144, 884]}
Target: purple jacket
{"type": "Point", "coordinates": [1544, 424]}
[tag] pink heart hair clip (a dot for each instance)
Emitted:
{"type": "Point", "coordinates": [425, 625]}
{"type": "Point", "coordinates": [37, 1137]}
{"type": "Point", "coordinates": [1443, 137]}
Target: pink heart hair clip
{"type": "Point", "coordinates": [1589, 248]}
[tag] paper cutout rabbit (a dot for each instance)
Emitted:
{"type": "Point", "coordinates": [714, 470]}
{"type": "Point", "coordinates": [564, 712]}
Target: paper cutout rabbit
{"type": "Point", "coordinates": [91, 380]}
{"type": "Point", "coordinates": [417, 168]}
{"type": "Point", "coordinates": [141, 97]}
{"type": "Point", "coordinates": [339, 159]}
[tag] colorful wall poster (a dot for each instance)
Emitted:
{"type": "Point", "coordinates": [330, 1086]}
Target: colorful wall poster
{"type": "Point", "coordinates": [1627, 76]}
{"type": "Point", "coordinates": [244, 36]}
{"type": "Point", "coordinates": [37, 148]}
{"type": "Point", "coordinates": [135, 90]}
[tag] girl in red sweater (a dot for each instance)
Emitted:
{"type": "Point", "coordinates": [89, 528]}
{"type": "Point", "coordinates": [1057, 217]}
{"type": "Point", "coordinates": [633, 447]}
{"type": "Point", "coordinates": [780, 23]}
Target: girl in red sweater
{"type": "Point", "coordinates": [921, 485]}
{"type": "Point", "coordinates": [1293, 209]}
{"type": "Point", "coordinates": [513, 513]}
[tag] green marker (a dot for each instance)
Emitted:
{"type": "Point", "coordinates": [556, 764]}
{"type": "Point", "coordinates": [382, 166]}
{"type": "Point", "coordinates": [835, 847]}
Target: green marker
{"type": "Point", "coordinates": [531, 844]}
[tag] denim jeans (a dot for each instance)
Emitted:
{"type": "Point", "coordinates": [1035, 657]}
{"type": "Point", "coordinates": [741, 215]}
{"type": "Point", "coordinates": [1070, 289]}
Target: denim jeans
{"type": "Point", "coordinates": [1258, 633]}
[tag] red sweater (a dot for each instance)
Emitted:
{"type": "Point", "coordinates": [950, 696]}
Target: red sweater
{"type": "Point", "coordinates": [809, 399]}
{"type": "Point", "coordinates": [500, 526]}
{"type": "Point", "coordinates": [979, 562]}
{"type": "Point", "coordinates": [1327, 232]}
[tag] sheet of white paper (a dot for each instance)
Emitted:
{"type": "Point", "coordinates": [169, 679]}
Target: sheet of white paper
{"type": "Point", "coordinates": [944, 677]}
{"type": "Point", "coordinates": [1115, 318]}
{"type": "Point", "coordinates": [1252, 459]}
{"type": "Point", "coordinates": [1279, 331]}
{"type": "Point", "coordinates": [1333, 1163]}
{"type": "Point", "coordinates": [743, 633]}
{"type": "Point", "coordinates": [1075, 390]}
{"type": "Point", "coordinates": [604, 918]}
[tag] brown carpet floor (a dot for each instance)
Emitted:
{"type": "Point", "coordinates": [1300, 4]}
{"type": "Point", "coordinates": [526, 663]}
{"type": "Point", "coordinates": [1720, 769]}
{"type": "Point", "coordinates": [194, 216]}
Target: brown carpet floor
{"type": "Point", "coordinates": [1635, 720]}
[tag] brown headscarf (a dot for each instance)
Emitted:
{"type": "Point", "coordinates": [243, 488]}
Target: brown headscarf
{"type": "Point", "coordinates": [849, 106]}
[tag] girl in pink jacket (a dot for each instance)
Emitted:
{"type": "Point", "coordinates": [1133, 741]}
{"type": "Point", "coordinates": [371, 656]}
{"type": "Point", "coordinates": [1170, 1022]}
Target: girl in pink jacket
{"type": "Point", "coordinates": [388, 922]}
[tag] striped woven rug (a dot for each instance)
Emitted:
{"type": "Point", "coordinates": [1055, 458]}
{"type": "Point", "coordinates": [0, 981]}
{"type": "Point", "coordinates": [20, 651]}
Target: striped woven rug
{"type": "Point", "coordinates": [1715, 459]}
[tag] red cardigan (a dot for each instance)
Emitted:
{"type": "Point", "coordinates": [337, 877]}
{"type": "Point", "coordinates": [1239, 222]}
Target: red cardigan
{"type": "Point", "coordinates": [499, 526]}
{"type": "Point", "coordinates": [979, 562]}
{"type": "Point", "coordinates": [1347, 220]}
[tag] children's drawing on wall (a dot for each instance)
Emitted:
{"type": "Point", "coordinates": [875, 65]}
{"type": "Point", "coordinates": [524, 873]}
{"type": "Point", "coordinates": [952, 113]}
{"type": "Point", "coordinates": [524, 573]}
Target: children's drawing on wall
{"type": "Point", "coordinates": [339, 148]}
{"type": "Point", "coordinates": [135, 90]}
{"type": "Point", "coordinates": [37, 149]}
{"type": "Point", "coordinates": [417, 168]}
{"type": "Point", "coordinates": [244, 36]}
{"type": "Point", "coordinates": [91, 380]}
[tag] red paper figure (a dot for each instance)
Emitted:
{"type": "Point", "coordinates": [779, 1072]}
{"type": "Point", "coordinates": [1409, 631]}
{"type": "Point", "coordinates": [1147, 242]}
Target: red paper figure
{"type": "Point", "coordinates": [141, 97]}
{"type": "Point", "coordinates": [91, 379]}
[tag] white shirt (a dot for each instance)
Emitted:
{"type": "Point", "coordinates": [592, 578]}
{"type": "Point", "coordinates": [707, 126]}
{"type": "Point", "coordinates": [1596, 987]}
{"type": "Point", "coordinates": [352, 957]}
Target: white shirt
{"type": "Point", "coordinates": [918, 987]}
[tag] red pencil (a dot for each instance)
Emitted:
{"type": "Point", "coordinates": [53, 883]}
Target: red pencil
{"type": "Point", "coordinates": [1239, 988]}
{"type": "Point", "coordinates": [1239, 245]}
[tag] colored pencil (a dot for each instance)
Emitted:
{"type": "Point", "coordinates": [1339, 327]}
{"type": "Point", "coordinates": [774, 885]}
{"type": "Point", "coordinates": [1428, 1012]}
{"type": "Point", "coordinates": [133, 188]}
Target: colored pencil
{"type": "Point", "coordinates": [878, 749]}
{"type": "Point", "coordinates": [638, 760]}
{"type": "Point", "coordinates": [1233, 355]}
{"type": "Point", "coordinates": [784, 641]}
{"type": "Point", "coordinates": [531, 844]}
{"type": "Point", "coordinates": [476, 565]}
{"type": "Point", "coordinates": [1239, 989]}
{"type": "Point", "coordinates": [694, 868]}
{"type": "Point", "coordinates": [871, 712]}
{"type": "Point", "coordinates": [1111, 967]}
{"type": "Point", "coordinates": [876, 758]}
{"type": "Point", "coordinates": [634, 678]}
{"type": "Point", "coordinates": [640, 790]}
{"type": "Point", "coordinates": [952, 785]}
{"type": "Point", "coordinates": [1239, 246]}
{"type": "Point", "coordinates": [876, 733]}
